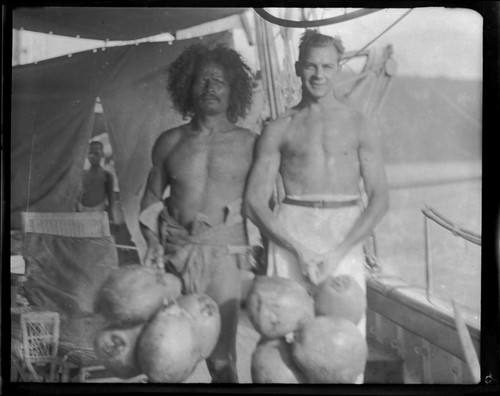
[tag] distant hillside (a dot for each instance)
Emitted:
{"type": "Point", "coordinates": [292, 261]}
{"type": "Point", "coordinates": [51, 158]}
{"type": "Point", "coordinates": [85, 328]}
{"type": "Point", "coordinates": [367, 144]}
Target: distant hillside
{"type": "Point", "coordinates": [419, 123]}
{"type": "Point", "coordinates": [422, 120]}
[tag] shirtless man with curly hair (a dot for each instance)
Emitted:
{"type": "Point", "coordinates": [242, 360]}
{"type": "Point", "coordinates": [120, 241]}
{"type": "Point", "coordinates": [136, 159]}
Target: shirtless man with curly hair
{"type": "Point", "coordinates": [199, 233]}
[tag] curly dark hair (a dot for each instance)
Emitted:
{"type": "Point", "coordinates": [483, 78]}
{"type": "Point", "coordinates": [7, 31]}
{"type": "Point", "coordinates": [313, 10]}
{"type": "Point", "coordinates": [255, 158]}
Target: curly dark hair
{"type": "Point", "coordinates": [182, 72]}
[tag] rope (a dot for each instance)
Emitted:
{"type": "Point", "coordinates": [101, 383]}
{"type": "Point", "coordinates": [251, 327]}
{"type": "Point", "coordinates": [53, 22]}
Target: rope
{"type": "Point", "coordinates": [306, 24]}
{"type": "Point", "coordinates": [452, 227]}
{"type": "Point", "coordinates": [436, 213]}
{"type": "Point", "coordinates": [456, 107]}
{"type": "Point", "coordinates": [29, 183]}
{"type": "Point", "coordinates": [126, 247]}
{"type": "Point", "coordinates": [377, 37]}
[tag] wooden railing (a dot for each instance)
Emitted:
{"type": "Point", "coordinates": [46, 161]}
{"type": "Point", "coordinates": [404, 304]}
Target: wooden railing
{"type": "Point", "coordinates": [421, 329]}
{"type": "Point", "coordinates": [424, 335]}
{"type": "Point", "coordinates": [455, 229]}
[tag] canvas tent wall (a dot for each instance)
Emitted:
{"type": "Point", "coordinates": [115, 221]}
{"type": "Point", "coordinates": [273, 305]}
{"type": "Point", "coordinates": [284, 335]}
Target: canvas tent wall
{"type": "Point", "coordinates": [53, 113]}
{"type": "Point", "coordinates": [115, 23]}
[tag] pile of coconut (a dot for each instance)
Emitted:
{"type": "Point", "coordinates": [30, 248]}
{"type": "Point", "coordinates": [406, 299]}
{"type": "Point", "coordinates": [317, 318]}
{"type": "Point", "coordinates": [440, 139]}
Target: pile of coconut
{"type": "Point", "coordinates": [307, 337]}
{"type": "Point", "coordinates": [146, 319]}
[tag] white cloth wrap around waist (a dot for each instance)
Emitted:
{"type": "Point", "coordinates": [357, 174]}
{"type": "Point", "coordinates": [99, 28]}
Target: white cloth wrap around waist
{"type": "Point", "coordinates": [320, 230]}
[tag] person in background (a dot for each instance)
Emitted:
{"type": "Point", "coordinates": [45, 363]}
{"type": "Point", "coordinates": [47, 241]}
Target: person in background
{"type": "Point", "coordinates": [97, 193]}
{"type": "Point", "coordinates": [322, 149]}
{"type": "Point", "coordinates": [197, 232]}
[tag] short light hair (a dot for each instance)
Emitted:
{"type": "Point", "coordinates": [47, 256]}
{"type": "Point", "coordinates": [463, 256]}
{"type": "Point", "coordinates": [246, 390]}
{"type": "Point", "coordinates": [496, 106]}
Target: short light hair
{"type": "Point", "coordinates": [312, 38]}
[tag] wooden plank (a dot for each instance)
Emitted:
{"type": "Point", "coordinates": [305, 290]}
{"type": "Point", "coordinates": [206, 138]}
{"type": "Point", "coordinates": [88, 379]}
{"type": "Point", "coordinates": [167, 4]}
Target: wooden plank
{"type": "Point", "coordinates": [411, 351]}
{"type": "Point", "coordinates": [444, 366]}
{"type": "Point", "coordinates": [466, 376]}
{"type": "Point", "coordinates": [383, 365]}
{"type": "Point", "coordinates": [420, 318]}
{"type": "Point", "coordinates": [371, 323]}
{"type": "Point", "coordinates": [471, 356]}
{"type": "Point", "coordinates": [457, 370]}
{"type": "Point", "coordinates": [388, 332]}
{"type": "Point", "coordinates": [428, 338]}
{"type": "Point", "coordinates": [426, 362]}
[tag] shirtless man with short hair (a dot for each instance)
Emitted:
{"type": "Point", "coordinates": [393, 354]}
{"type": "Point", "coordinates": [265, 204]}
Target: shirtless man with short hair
{"type": "Point", "coordinates": [322, 148]}
{"type": "Point", "coordinates": [201, 236]}
{"type": "Point", "coordinates": [97, 184]}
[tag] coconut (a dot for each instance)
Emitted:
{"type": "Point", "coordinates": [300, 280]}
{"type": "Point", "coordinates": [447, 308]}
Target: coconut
{"type": "Point", "coordinates": [206, 320]}
{"type": "Point", "coordinates": [340, 296]}
{"type": "Point", "coordinates": [115, 348]}
{"type": "Point", "coordinates": [277, 306]}
{"type": "Point", "coordinates": [167, 350]}
{"type": "Point", "coordinates": [272, 363]}
{"type": "Point", "coordinates": [134, 293]}
{"type": "Point", "coordinates": [330, 350]}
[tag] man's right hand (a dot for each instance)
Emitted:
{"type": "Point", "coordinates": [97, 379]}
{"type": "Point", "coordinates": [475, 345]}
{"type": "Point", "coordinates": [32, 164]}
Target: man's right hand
{"type": "Point", "coordinates": [154, 256]}
{"type": "Point", "coordinates": [309, 263]}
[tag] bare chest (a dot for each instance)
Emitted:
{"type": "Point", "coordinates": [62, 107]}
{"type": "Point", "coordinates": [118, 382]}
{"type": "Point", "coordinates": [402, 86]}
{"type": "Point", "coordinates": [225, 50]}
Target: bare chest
{"type": "Point", "coordinates": [221, 158]}
{"type": "Point", "coordinates": [315, 140]}
{"type": "Point", "coordinates": [93, 180]}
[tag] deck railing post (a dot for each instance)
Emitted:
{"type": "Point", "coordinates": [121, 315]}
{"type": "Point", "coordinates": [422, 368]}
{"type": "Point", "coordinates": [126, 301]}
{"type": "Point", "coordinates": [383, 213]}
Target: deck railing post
{"type": "Point", "coordinates": [428, 260]}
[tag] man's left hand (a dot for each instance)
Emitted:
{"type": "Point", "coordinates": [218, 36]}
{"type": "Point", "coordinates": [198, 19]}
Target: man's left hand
{"type": "Point", "coordinates": [328, 264]}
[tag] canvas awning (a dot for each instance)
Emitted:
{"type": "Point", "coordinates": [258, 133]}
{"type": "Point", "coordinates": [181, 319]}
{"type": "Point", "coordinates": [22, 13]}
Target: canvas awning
{"type": "Point", "coordinates": [53, 119]}
{"type": "Point", "coordinates": [115, 23]}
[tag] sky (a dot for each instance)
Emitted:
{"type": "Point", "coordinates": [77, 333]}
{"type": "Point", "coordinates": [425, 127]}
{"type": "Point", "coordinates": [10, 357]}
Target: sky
{"type": "Point", "coordinates": [429, 41]}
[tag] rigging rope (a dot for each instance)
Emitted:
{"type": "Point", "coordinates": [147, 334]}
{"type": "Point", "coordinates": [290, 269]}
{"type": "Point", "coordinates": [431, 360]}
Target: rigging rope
{"type": "Point", "coordinates": [455, 106]}
{"type": "Point", "coordinates": [322, 22]}
{"type": "Point", "coordinates": [377, 37]}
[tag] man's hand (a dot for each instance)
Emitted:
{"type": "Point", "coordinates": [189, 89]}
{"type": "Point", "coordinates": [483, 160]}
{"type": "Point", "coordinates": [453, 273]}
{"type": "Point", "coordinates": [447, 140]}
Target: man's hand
{"type": "Point", "coordinates": [328, 264]}
{"type": "Point", "coordinates": [317, 267]}
{"type": "Point", "coordinates": [154, 255]}
{"type": "Point", "coordinates": [175, 238]}
{"type": "Point", "coordinates": [310, 263]}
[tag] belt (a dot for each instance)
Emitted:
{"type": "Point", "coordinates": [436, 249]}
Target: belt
{"type": "Point", "coordinates": [321, 203]}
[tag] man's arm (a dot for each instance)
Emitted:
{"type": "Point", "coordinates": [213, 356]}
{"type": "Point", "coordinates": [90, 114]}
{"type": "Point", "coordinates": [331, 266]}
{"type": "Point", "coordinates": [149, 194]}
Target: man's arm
{"type": "Point", "coordinates": [155, 185]}
{"type": "Point", "coordinates": [375, 181]}
{"type": "Point", "coordinates": [110, 193]}
{"type": "Point", "coordinates": [260, 186]}
{"type": "Point", "coordinates": [80, 193]}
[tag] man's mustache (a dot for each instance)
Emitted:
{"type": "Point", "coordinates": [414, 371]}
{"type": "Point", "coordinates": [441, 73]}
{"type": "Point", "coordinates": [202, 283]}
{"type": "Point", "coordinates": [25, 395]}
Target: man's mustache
{"type": "Point", "coordinates": [209, 96]}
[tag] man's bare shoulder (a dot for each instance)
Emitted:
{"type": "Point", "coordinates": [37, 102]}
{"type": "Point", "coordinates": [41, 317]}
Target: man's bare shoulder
{"type": "Point", "coordinates": [172, 134]}
{"type": "Point", "coordinates": [109, 176]}
{"type": "Point", "coordinates": [245, 133]}
{"type": "Point", "coordinates": [281, 123]}
{"type": "Point", "coordinates": [167, 140]}
{"type": "Point", "coordinates": [171, 137]}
